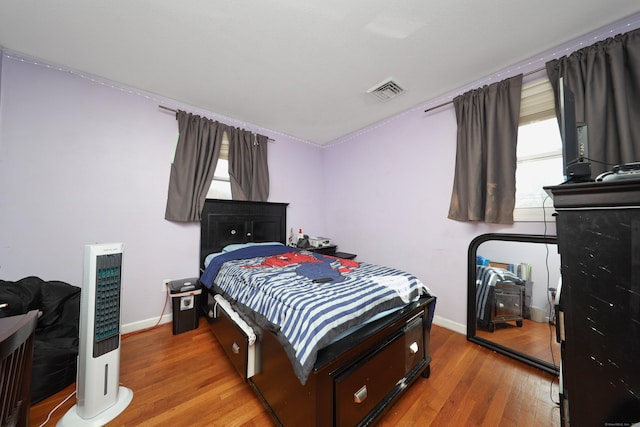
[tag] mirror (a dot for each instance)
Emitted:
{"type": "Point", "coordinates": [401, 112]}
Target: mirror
{"type": "Point", "coordinates": [512, 282]}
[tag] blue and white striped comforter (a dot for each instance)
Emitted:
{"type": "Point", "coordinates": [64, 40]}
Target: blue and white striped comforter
{"type": "Point", "coordinates": [307, 315]}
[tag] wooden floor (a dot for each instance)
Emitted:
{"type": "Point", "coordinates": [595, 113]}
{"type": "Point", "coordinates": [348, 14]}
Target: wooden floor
{"type": "Point", "coordinates": [186, 380]}
{"type": "Point", "coordinates": [533, 338]}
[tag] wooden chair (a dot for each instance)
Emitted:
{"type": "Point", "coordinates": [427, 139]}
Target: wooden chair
{"type": "Point", "coordinates": [16, 355]}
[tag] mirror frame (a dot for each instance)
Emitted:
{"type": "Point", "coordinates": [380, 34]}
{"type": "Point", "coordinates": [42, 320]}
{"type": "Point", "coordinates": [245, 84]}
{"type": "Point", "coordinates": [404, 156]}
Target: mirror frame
{"type": "Point", "coordinates": [471, 298]}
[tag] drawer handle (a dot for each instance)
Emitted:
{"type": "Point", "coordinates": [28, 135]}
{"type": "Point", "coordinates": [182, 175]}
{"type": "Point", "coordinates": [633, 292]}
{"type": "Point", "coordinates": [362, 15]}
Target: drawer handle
{"type": "Point", "coordinates": [360, 395]}
{"type": "Point", "coordinates": [235, 348]}
{"type": "Point", "coordinates": [413, 348]}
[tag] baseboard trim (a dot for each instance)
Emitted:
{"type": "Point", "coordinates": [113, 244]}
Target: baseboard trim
{"type": "Point", "coordinates": [145, 324]}
{"type": "Point", "coordinates": [450, 324]}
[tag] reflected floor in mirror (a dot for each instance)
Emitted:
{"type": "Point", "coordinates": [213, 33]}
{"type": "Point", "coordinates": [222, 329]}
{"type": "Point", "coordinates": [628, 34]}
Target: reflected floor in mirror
{"type": "Point", "coordinates": [537, 339]}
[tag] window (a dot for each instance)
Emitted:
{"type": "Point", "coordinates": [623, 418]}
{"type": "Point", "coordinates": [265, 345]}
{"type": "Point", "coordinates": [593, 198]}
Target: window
{"type": "Point", "coordinates": [221, 183]}
{"type": "Point", "coordinates": [539, 153]}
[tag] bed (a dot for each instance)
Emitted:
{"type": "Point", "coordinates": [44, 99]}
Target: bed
{"type": "Point", "coordinates": [499, 297]}
{"type": "Point", "coordinates": [309, 363]}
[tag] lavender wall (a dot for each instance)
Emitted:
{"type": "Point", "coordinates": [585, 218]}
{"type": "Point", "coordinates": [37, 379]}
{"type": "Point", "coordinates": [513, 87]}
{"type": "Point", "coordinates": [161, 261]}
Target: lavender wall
{"type": "Point", "coordinates": [387, 196]}
{"type": "Point", "coordinates": [84, 162]}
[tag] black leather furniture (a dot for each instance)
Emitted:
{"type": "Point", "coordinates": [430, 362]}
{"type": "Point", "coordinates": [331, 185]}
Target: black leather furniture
{"type": "Point", "coordinates": [56, 339]}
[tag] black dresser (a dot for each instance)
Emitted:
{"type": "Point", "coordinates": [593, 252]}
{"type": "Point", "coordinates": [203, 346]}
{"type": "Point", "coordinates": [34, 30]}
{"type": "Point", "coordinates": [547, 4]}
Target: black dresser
{"type": "Point", "coordinates": [598, 228]}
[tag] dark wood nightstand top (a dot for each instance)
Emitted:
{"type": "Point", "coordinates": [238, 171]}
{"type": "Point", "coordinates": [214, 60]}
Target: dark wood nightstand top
{"type": "Point", "coordinates": [327, 250]}
{"type": "Point", "coordinates": [344, 255]}
{"type": "Point", "coordinates": [331, 250]}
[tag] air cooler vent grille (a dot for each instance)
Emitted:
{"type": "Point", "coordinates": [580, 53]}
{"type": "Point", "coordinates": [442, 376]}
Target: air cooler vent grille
{"type": "Point", "coordinates": [386, 90]}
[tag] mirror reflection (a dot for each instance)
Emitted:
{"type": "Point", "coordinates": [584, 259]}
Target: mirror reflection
{"type": "Point", "coordinates": [512, 291]}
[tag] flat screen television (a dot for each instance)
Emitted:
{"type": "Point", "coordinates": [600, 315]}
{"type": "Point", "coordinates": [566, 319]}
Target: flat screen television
{"type": "Point", "coordinates": [575, 143]}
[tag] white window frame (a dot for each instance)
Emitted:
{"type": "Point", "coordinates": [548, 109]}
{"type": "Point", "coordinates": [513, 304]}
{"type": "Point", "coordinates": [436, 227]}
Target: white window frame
{"type": "Point", "coordinates": [545, 211]}
{"type": "Point", "coordinates": [537, 104]}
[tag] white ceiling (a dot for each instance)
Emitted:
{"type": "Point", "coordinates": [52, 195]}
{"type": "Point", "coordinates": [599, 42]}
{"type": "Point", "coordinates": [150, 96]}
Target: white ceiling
{"type": "Point", "coordinates": [299, 67]}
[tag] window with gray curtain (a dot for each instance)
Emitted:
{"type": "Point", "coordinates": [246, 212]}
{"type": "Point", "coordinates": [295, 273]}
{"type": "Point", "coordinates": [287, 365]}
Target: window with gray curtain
{"type": "Point", "coordinates": [484, 182]}
{"type": "Point", "coordinates": [196, 156]}
{"type": "Point", "coordinates": [605, 78]}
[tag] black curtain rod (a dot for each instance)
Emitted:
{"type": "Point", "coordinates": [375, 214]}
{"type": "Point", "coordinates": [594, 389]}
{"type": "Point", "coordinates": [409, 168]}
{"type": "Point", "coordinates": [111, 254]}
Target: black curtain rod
{"type": "Point", "coordinates": [450, 102]}
{"type": "Point", "coordinates": [175, 111]}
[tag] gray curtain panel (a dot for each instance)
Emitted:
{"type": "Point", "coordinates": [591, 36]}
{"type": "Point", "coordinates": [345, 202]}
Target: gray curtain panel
{"type": "Point", "coordinates": [193, 166]}
{"type": "Point", "coordinates": [605, 78]}
{"type": "Point", "coordinates": [248, 168]}
{"type": "Point", "coordinates": [484, 185]}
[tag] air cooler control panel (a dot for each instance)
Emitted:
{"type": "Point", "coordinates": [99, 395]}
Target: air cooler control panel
{"type": "Point", "coordinates": [107, 303]}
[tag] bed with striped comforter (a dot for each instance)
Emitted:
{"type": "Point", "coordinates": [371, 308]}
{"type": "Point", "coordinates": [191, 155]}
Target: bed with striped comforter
{"type": "Point", "coordinates": [486, 278]}
{"type": "Point", "coordinates": [307, 298]}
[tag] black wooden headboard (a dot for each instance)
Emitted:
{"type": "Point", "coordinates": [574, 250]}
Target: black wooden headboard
{"type": "Point", "coordinates": [230, 221]}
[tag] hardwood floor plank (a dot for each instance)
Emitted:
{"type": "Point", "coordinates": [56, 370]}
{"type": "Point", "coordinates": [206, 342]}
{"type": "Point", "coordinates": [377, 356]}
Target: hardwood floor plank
{"type": "Point", "coordinates": [187, 380]}
{"type": "Point", "coordinates": [533, 338]}
{"type": "Point", "coordinates": [495, 412]}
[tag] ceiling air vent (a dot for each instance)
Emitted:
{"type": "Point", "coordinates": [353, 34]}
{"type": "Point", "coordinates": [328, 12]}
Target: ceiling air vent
{"type": "Point", "coordinates": [386, 90]}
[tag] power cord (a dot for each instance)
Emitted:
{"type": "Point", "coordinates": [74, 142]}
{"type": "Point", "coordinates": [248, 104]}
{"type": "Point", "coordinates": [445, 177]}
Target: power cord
{"type": "Point", "coordinates": [600, 162]}
{"type": "Point", "coordinates": [550, 304]}
{"type": "Point", "coordinates": [164, 307]}
{"type": "Point", "coordinates": [56, 408]}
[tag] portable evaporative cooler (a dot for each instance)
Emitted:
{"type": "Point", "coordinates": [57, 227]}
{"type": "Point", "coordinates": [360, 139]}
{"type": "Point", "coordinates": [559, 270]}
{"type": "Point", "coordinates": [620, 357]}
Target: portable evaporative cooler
{"type": "Point", "coordinates": [100, 398]}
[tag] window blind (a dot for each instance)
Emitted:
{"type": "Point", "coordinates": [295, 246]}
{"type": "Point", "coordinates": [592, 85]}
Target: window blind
{"type": "Point", "coordinates": [224, 148]}
{"type": "Point", "coordinates": [537, 101]}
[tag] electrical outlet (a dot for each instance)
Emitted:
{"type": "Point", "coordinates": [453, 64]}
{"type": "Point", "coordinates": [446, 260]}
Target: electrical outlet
{"type": "Point", "coordinates": [165, 285]}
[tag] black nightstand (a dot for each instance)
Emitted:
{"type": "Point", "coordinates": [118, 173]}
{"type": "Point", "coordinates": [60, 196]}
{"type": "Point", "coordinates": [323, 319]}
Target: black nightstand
{"type": "Point", "coordinates": [325, 250]}
{"type": "Point", "coordinates": [331, 250]}
{"type": "Point", "coordinates": [344, 255]}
